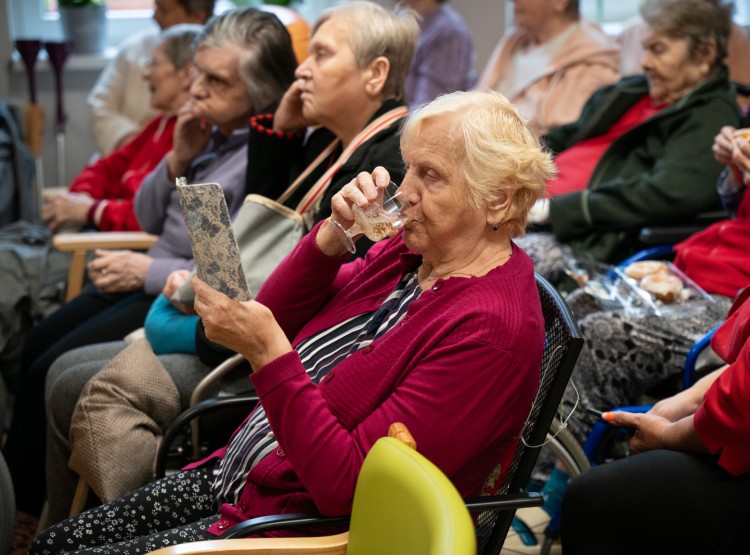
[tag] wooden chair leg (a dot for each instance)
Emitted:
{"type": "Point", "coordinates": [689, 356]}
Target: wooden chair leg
{"type": "Point", "coordinates": [43, 518]}
{"type": "Point", "coordinates": [80, 497]}
{"type": "Point", "coordinates": [75, 274]}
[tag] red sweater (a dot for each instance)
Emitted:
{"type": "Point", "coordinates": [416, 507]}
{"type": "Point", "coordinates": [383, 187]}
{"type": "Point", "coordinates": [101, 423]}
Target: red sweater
{"type": "Point", "coordinates": [114, 179]}
{"type": "Point", "coordinates": [723, 420]}
{"type": "Point", "coordinates": [460, 370]}
{"type": "Point", "coordinates": [718, 258]}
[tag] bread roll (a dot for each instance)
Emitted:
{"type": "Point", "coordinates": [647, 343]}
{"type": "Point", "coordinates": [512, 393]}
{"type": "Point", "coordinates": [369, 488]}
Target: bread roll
{"type": "Point", "coordinates": [639, 270]}
{"type": "Point", "coordinates": [664, 286]}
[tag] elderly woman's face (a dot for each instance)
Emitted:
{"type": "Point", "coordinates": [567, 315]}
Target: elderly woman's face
{"type": "Point", "coordinates": [440, 220]}
{"type": "Point", "coordinates": [533, 14]}
{"type": "Point", "coordinates": [168, 88]}
{"type": "Point", "coordinates": [331, 82]}
{"type": "Point", "coordinates": [218, 92]}
{"type": "Point", "coordinates": [670, 70]}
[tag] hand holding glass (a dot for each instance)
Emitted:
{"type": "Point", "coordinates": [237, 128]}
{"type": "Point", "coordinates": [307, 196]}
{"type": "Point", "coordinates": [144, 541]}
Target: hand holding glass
{"type": "Point", "coordinates": [375, 221]}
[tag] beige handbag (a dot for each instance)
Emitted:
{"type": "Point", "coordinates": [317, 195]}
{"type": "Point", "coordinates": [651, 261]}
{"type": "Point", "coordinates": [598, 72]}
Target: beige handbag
{"type": "Point", "coordinates": [119, 422]}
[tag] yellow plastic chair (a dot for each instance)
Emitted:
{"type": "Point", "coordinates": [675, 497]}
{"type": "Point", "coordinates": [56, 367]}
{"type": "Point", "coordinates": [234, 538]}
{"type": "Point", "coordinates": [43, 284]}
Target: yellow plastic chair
{"type": "Point", "coordinates": [403, 504]}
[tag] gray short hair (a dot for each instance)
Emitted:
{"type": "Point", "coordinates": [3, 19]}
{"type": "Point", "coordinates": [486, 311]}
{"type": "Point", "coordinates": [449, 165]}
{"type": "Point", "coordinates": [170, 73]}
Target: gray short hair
{"type": "Point", "coordinates": [375, 31]}
{"type": "Point", "coordinates": [700, 22]}
{"type": "Point", "coordinates": [177, 42]}
{"type": "Point", "coordinates": [268, 63]}
{"type": "Point", "coordinates": [496, 152]}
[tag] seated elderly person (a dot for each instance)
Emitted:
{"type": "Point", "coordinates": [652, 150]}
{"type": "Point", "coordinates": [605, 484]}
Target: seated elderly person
{"type": "Point", "coordinates": [245, 63]}
{"type": "Point", "coordinates": [737, 60]}
{"type": "Point", "coordinates": [342, 350]}
{"type": "Point", "coordinates": [691, 475]}
{"type": "Point", "coordinates": [550, 62]}
{"type": "Point", "coordinates": [444, 59]}
{"type": "Point", "coordinates": [640, 153]}
{"type": "Point", "coordinates": [351, 91]}
{"type": "Point", "coordinates": [119, 100]}
{"type": "Point", "coordinates": [101, 196]}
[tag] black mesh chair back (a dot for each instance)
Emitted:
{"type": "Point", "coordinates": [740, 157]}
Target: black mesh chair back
{"type": "Point", "coordinates": [562, 346]}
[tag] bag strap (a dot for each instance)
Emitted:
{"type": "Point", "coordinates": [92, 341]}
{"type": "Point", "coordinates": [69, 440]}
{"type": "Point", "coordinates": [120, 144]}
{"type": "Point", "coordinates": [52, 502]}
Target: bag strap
{"type": "Point", "coordinates": [316, 192]}
{"type": "Point", "coordinates": [301, 177]}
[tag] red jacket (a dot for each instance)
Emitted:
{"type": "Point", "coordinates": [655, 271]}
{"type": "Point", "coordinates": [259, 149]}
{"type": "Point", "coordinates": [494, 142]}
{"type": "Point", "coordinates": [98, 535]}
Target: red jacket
{"type": "Point", "coordinates": [718, 258]}
{"type": "Point", "coordinates": [460, 371]}
{"type": "Point", "coordinates": [723, 420]}
{"type": "Point", "coordinates": [115, 179]}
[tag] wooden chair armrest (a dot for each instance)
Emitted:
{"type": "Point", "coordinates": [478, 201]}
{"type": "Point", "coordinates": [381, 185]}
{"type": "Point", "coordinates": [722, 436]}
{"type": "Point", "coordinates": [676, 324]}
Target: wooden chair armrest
{"type": "Point", "coordinates": [135, 240]}
{"type": "Point", "coordinates": [328, 545]}
{"type": "Point", "coordinates": [81, 243]}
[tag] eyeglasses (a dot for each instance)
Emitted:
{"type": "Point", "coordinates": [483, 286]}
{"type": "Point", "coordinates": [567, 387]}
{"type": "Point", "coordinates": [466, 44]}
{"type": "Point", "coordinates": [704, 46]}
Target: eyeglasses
{"type": "Point", "coordinates": [153, 62]}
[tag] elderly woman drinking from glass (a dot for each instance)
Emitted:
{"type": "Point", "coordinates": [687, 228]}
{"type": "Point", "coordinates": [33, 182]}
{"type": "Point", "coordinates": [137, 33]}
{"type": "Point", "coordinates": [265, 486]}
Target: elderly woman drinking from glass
{"type": "Point", "coordinates": [341, 350]}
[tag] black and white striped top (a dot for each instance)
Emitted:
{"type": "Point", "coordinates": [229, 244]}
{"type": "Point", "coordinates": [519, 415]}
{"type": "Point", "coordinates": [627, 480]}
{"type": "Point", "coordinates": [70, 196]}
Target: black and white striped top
{"type": "Point", "coordinates": [319, 354]}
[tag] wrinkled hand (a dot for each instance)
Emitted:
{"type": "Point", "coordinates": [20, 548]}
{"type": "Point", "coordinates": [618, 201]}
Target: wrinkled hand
{"type": "Point", "coordinates": [118, 271]}
{"type": "Point", "coordinates": [362, 190]}
{"type": "Point", "coordinates": [724, 145]}
{"type": "Point", "coordinates": [68, 211]}
{"type": "Point", "coordinates": [191, 136]}
{"type": "Point", "coordinates": [174, 281]}
{"type": "Point", "coordinates": [677, 406]}
{"type": "Point", "coordinates": [289, 116]}
{"type": "Point", "coordinates": [248, 328]}
{"type": "Point", "coordinates": [741, 158]}
{"type": "Point", "coordinates": [649, 429]}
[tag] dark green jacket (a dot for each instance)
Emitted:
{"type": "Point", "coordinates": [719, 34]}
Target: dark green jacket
{"type": "Point", "coordinates": [660, 172]}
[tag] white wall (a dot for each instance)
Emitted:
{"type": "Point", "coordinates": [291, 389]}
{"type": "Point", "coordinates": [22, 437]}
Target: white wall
{"type": "Point", "coordinates": [486, 20]}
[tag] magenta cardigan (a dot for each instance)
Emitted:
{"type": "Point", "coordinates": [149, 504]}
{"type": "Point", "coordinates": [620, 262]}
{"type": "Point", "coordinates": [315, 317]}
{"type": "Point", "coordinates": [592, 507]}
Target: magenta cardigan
{"type": "Point", "coordinates": [460, 370]}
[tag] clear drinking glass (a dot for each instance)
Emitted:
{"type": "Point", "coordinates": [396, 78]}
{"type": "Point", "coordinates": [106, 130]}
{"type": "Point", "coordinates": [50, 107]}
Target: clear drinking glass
{"type": "Point", "coordinates": [375, 221]}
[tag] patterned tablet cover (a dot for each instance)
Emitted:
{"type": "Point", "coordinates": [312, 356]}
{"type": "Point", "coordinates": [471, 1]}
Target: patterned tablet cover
{"type": "Point", "coordinates": [215, 250]}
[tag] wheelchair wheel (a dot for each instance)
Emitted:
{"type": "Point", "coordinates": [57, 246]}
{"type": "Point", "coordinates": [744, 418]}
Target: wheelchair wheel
{"type": "Point", "coordinates": [564, 446]}
{"type": "Point", "coordinates": [528, 534]}
{"type": "Point", "coordinates": [7, 508]}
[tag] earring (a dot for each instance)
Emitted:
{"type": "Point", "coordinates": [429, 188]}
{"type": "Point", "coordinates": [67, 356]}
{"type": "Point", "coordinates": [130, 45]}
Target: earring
{"type": "Point", "coordinates": [494, 227]}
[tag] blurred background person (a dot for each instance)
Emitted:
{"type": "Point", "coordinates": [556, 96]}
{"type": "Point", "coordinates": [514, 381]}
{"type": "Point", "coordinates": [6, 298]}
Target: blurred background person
{"type": "Point", "coordinates": [444, 60]}
{"type": "Point", "coordinates": [737, 60]}
{"type": "Point", "coordinates": [550, 62]}
{"type": "Point", "coordinates": [119, 100]}
{"type": "Point", "coordinates": [641, 152]}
